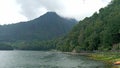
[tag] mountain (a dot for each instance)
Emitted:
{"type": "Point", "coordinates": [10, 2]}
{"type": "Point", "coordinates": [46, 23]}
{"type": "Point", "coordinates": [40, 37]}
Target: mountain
{"type": "Point", "coordinates": [46, 27]}
{"type": "Point", "coordinates": [101, 31]}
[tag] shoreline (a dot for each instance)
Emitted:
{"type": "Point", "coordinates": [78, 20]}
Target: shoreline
{"type": "Point", "coordinates": [107, 57]}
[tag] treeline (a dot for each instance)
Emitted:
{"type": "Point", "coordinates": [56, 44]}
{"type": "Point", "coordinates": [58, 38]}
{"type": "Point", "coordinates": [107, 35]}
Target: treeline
{"type": "Point", "coordinates": [34, 45]}
{"type": "Point", "coordinates": [36, 34]}
{"type": "Point", "coordinates": [5, 46]}
{"type": "Point", "coordinates": [28, 45]}
{"type": "Point", "coordinates": [101, 31]}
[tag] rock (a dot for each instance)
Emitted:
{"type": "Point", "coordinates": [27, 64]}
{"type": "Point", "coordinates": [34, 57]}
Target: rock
{"type": "Point", "coordinates": [74, 51]}
{"type": "Point", "coordinates": [117, 63]}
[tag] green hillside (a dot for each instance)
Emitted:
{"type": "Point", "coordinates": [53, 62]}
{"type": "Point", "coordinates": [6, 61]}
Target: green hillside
{"type": "Point", "coordinates": [101, 31]}
{"type": "Point", "coordinates": [35, 34]}
{"type": "Point", "coordinates": [46, 27]}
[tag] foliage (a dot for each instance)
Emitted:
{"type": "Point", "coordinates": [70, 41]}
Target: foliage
{"type": "Point", "coordinates": [46, 27]}
{"type": "Point", "coordinates": [37, 34]}
{"type": "Point", "coordinates": [5, 46]}
{"type": "Point", "coordinates": [98, 32]}
{"type": "Point", "coordinates": [106, 56]}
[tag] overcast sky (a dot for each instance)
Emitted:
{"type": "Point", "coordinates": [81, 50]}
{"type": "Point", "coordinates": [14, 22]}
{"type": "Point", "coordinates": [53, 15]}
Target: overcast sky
{"type": "Point", "coordinates": [13, 11]}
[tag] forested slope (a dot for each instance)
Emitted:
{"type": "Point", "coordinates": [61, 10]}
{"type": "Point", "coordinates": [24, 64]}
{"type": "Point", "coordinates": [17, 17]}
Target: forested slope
{"type": "Point", "coordinates": [101, 31]}
{"type": "Point", "coordinates": [46, 27]}
{"type": "Point", "coordinates": [36, 34]}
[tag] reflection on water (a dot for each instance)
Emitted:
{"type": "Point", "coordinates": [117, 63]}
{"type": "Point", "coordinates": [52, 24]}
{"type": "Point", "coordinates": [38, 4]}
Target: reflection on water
{"type": "Point", "coordinates": [40, 59]}
{"type": "Point", "coordinates": [116, 66]}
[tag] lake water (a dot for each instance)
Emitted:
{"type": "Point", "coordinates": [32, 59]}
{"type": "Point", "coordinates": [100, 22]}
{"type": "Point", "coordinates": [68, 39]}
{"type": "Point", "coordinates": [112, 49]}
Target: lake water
{"type": "Point", "coordinates": [41, 59]}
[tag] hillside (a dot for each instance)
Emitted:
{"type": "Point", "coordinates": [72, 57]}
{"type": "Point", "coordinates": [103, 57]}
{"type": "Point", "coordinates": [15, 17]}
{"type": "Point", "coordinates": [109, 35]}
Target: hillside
{"type": "Point", "coordinates": [46, 27]}
{"type": "Point", "coordinates": [101, 31]}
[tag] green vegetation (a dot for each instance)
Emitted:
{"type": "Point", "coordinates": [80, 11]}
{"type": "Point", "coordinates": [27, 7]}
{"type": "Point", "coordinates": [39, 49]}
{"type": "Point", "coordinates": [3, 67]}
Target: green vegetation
{"type": "Point", "coordinates": [100, 32]}
{"type": "Point", "coordinates": [33, 45]}
{"type": "Point", "coordinates": [29, 45]}
{"type": "Point", "coordinates": [5, 46]}
{"type": "Point", "coordinates": [46, 27]}
{"type": "Point", "coordinates": [106, 56]}
{"type": "Point", "coordinates": [37, 34]}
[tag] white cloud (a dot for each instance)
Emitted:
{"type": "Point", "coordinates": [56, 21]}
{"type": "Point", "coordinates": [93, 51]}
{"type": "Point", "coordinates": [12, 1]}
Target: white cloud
{"type": "Point", "coordinates": [79, 9]}
{"type": "Point", "coordinates": [9, 12]}
{"type": "Point", "coordinates": [31, 8]}
{"type": "Point", "coordinates": [12, 11]}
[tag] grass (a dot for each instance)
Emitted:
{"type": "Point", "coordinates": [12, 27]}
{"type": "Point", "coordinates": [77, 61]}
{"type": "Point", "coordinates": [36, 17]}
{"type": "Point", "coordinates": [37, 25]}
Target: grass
{"type": "Point", "coordinates": [108, 57]}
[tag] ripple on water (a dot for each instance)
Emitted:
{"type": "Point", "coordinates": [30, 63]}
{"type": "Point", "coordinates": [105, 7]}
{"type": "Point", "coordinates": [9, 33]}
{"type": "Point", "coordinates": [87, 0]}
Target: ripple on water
{"type": "Point", "coordinates": [40, 59]}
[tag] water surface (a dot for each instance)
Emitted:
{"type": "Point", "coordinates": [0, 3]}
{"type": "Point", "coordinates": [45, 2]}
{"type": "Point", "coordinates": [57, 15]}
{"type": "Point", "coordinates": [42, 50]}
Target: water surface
{"type": "Point", "coordinates": [41, 59]}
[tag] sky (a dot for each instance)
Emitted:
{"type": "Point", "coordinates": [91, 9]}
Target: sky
{"type": "Point", "coordinates": [14, 11]}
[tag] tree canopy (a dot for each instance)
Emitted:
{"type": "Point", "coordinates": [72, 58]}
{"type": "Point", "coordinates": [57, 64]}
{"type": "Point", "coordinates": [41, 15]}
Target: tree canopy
{"type": "Point", "coordinates": [101, 31]}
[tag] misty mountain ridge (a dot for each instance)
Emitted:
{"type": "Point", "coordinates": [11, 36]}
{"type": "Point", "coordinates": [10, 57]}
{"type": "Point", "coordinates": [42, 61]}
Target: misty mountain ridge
{"type": "Point", "coordinates": [46, 27]}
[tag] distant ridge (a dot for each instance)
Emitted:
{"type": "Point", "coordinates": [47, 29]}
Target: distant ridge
{"type": "Point", "coordinates": [45, 27]}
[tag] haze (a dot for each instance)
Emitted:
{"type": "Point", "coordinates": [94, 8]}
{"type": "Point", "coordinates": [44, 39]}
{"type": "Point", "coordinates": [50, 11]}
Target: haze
{"type": "Point", "coordinates": [13, 11]}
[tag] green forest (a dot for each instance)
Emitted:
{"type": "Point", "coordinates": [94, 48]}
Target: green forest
{"type": "Point", "coordinates": [36, 34]}
{"type": "Point", "coordinates": [100, 32]}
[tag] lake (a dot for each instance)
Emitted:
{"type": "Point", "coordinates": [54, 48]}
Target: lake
{"type": "Point", "coordinates": [45, 59]}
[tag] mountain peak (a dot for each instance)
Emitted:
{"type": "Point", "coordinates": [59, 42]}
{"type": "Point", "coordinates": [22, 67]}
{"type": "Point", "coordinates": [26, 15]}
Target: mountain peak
{"type": "Point", "coordinates": [51, 14]}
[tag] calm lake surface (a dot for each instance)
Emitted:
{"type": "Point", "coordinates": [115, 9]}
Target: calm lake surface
{"type": "Point", "coordinates": [41, 59]}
